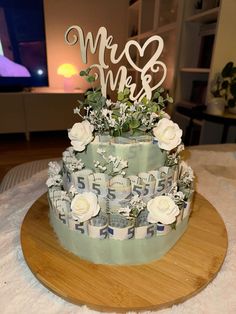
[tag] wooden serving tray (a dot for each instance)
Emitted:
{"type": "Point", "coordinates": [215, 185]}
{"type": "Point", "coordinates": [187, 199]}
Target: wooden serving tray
{"type": "Point", "coordinates": [184, 271]}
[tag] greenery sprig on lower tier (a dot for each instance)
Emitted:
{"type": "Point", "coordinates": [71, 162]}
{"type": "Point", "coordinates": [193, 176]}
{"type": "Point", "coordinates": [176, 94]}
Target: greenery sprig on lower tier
{"type": "Point", "coordinates": [122, 116]}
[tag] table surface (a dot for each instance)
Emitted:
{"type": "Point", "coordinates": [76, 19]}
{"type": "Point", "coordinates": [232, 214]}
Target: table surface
{"type": "Point", "coordinates": [189, 266]}
{"type": "Point", "coordinates": [215, 169]}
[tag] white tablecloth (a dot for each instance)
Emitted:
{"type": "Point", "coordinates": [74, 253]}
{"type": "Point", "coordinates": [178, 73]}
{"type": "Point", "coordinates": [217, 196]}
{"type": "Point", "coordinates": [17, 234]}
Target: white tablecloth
{"type": "Point", "coordinates": [20, 292]}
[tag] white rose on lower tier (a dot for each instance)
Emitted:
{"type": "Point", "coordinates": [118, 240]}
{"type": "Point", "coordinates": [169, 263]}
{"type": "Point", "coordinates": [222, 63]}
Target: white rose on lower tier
{"type": "Point", "coordinates": [84, 206]}
{"type": "Point", "coordinates": [80, 135]}
{"type": "Point", "coordinates": [162, 209]}
{"type": "Point", "coordinates": [167, 133]}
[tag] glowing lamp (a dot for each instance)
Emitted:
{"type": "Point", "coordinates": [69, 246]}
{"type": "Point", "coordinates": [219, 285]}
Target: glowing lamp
{"type": "Point", "coordinates": [67, 71]}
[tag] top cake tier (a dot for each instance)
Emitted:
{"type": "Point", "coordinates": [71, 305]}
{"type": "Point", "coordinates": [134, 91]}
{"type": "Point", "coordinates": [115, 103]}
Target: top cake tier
{"type": "Point", "coordinates": [141, 153]}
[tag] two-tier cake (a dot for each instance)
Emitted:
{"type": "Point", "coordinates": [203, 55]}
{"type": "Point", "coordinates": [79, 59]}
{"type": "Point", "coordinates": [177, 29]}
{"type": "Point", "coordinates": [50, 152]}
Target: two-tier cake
{"type": "Point", "coordinates": [121, 194]}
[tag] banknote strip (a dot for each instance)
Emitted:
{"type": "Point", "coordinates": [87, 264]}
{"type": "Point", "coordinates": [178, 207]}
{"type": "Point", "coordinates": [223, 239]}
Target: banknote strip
{"type": "Point", "coordinates": [162, 229]}
{"type": "Point", "coordinates": [120, 228]}
{"type": "Point", "coordinates": [144, 229]}
{"type": "Point", "coordinates": [188, 205]}
{"type": "Point", "coordinates": [119, 193]}
{"type": "Point", "coordinates": [98, 226]}
{"type": "Point", "coordinates": [75, 225]}
{"type": "Point", "coordinates": [80, 180]}
{"type": "Point", "coordinates": [99, 184]}
{"type": "Point", "coordinates": [150, 183]}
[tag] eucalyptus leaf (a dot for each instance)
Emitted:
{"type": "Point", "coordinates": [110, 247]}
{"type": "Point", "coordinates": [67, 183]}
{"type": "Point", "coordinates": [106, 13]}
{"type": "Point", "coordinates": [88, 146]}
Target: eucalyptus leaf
{"type": "Point", "coordinates": [116, 133]}
{"type": "Point", "coordinates": [125, 100]}
{"type": "Point", "coordinates": [170, 99]}
{"type": "Point", "coordinates": [144, 100]}
{"type": "Point", "coordinates": [156, 95]}
{"type": "Point", "coordinates": [88, 71]}
{"type": "Point", "coordinates": [90, 79]}
{"type": "Point", "coordinates": [126, 91]}
{"type": "Point", "coordinates": [160, 99]}
{"type": "Point", "coordinates": [120, 96]}
{"type": "Point", "coordinates": [89, 92]}
{"type": "Point", "coordinates": [82, 73]}
{"type": "Point", "coordinates": [155, 108]}
{"type": "Point", "coordinates": [125, 127]}
{"type": "Point", "coordinates": [81, 103]}
{"type": "Point", "coordinates": [134, 124]}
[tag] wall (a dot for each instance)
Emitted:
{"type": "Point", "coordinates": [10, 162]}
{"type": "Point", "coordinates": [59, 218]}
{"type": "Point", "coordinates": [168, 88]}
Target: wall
{"type": "Point", "coordinates": [225, 44]}
{"type": "Point", "coordinates": [88, 14]}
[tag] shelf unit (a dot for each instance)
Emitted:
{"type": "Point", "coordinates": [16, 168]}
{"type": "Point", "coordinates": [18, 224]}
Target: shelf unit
{"type": "Point", "coordinates": [197, 45]}
{"type": "Point", "coordinates": [204, 16]}
{"type": "Point", "coordinates": [206, 46]}
{"type": "Point", "coordinates": [156, 17]}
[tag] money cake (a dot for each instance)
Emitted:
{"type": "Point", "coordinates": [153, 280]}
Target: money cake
{"type": "Point", "coordinates": [121, 194]}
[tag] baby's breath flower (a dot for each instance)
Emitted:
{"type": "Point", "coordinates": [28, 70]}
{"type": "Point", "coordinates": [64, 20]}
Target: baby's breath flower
{"type": "Point", "coordinates": [55, 180]}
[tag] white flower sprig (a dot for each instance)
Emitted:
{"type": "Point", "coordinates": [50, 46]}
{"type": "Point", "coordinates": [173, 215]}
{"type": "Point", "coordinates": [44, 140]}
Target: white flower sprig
{"type": "Point", "coordinates": [186, 175]}
{"type": "Point", "coordinates": [113, 165]}
{"type": "Point", "coordinates": [73, 164]}
{"type": "Point", "coordinates": [173, 158]}
{"type": "Point", "coordinates": [54, 175]}
{"type": "Point", "coordinates": [54, 168]}
{"type": "Point", "coordinates": [177, 196]}
{"type": "Point", "coordinates": [135, 206]}
{"type": "Point", "coordinates": [55, 180]}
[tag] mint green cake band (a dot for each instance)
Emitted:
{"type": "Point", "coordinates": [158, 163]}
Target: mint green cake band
{"type": "Point", "coordinates": [141, 157]}
{"type": "Point", "coordinates": [109, 251]}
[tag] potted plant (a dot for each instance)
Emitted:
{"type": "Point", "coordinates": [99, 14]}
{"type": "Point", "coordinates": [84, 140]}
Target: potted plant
{"type": "Point", "coordinates": [224, 89]}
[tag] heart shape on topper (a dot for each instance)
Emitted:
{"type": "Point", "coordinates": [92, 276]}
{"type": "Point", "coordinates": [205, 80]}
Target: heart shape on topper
{"type": "Point", "coordinates": [142, 49]}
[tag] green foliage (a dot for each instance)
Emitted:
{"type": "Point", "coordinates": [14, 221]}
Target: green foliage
{"type": "Point", "coordinates": [123, 96]}
{"type": "Point", "coordinates": [124, 115]}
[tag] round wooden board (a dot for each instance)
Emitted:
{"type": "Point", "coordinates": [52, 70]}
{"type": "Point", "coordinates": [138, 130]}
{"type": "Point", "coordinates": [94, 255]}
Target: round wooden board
{"type": "Point", "coordinates": [184, 271]}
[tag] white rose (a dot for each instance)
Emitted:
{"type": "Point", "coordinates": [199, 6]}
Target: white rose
{"type": "Point", "coordinates": [84, 206]}
{"type": "Point", "coordinates": [80, 135]}
{"type": "Point", "coordinates": [167, 133]}
{"type": "Point", "coordinates": [162, 209]}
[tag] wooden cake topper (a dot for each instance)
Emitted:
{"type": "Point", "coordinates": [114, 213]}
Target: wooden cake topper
{"type": "Point", "coordinates": [103, 43]}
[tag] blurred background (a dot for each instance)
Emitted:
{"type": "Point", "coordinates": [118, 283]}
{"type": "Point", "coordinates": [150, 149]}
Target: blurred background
{"type": "Point", "coordinates": [39, 72]}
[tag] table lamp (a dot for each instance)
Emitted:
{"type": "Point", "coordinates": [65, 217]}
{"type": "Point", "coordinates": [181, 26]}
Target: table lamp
{"type": "Point", "coordinates": [67, 70]}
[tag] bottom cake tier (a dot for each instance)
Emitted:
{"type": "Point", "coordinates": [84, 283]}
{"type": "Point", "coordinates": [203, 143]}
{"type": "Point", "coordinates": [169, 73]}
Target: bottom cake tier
{"type": "Point", "coordinates": [109, 251]}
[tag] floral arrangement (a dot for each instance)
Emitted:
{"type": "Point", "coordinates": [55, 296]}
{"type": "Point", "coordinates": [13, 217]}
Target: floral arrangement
{"type": "Point", "coordinates": [123, 118]}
